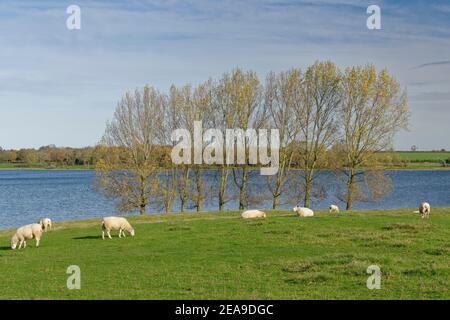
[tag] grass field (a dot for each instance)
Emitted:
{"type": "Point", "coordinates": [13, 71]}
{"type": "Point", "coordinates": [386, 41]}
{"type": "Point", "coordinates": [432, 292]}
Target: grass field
{"type": "Point", "coordinates": [218, 256]}
{"type": "Point", "coordinates": [423, 155]}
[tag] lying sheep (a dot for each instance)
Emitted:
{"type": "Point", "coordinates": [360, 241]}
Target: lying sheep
{"type": "Point", "coordinates": [46, 224]}
{"type": "Point", "coordinates": [303, 212]}
{"type": "Point", "coordinates": [334, 208]}
{"type": "Point", "coordinates": [252, 214]}
{"type": "Point", "coordinates": [25, 233]}
{"type": "Point", "coordinates": [425, 209]}
{"type": "Point", "coordinates": [116, 223]}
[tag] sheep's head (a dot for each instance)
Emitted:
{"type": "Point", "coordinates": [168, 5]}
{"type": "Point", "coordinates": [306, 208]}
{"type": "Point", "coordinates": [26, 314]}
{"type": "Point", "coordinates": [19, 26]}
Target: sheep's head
{"type": "Point", "coordinates": [295, 209]}
{"type": "Point", "coordinates": [14, 241]}
{"type": "Point", "coordinates": [132, 232]}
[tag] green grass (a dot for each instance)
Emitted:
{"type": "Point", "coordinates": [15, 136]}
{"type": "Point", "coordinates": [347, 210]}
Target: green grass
{"type": "Point", "coordinates": [423, 155]}
{"type": "Point", "coordinates": [219, 256]}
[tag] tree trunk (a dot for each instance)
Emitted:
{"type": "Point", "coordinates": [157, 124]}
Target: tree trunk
{"type": "Point", "coordinates": [170, 190]}
{"type": "Point", "coordinates": [184, 189]}
{"type": "Point", "coordinates": [350, 189]}
{"type": "Point", "coordinates": [142, 197]}
{"type": "Point", "coordinates": [307, 196]}
{"type": "Point", "coordinates": [242, 189]}
{"type": "Point", "coordinates": [223, 187]}
{"type": "Point", "coordinates": [275, 201]}
{"type": "Point", "coordinates": [199, 200]}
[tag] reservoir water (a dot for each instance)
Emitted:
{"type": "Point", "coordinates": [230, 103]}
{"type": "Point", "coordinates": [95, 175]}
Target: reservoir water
{"type": "Point", "coordinates": [27, 195]}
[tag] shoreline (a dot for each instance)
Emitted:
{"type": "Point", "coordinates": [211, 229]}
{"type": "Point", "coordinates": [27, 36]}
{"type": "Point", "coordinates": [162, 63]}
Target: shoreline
{"type": "Point", "coordinates": [256, 168]}
{"type": "Point", "coordinates": [161, 217]}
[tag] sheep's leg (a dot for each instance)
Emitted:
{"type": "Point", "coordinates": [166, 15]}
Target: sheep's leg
{"type": "Point", "coordinates": [20, 244]}
{"type": "Point", "coordinates": [109, 234]}
{"type": "Point", "coordinates": [37, 242]}
{"type": "Point", "coordinates": [120, 233]}
{"type": "Point", "coordinates": [103, 235]}
{"type": "Point", "coordinates": [24, 244]}
{"type": "Point", "coordinates": [123, 234]}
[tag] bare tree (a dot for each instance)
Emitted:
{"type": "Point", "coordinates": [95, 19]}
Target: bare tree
{"type": "Point", "coordinates": [180, 102]}
{"type": "Point", "coordinates": [317, 119]}
{"type": "Point", "coordinates": [282, 96]}
{"type": "Point", "coordinates": [168, 178]}
{"type": "Point", "coordinates": [240, 95]}
{"type": "Point", "coordinates": [374, 108]}
{"type": "Point", "coordinates": [127, 167]}
{"type": "Point", "coordinates": [202, 111]}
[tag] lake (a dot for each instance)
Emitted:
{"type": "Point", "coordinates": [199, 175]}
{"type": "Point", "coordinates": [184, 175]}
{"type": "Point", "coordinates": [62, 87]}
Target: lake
{"type": "Point", "coordinates": [28, 195]}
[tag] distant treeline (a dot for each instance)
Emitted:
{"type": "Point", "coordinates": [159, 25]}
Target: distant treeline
{"type": "Point", "coordinates": [50, 155]}
{"type": "Point", "coordinates": [88, 156]}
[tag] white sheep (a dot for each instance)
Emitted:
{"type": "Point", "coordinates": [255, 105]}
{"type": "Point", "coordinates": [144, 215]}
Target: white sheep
{"type": "Point", "coordinates": [334, 208]}
{"type": "Point", "coordinates": [425, 209]}
{"type": "Point", "coordinates": [25, 233]}
{"type": "Point", "coordinates": [46, 224]}
{"type": "Point", "coordinates": [116, 223]}
{"type": "Point", "coordinates": [253, 214]}
{"type": "Point", "coordinates": [303, 212]}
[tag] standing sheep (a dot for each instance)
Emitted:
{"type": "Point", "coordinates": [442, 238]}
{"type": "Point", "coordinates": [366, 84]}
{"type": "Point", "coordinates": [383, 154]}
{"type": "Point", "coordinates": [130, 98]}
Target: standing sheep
{"type": "Point", "coordinates": [303, 212]}
{"type": "Point", "coordinates": [25, 233]}
{"type": "Point", "coordinates": [334, 208]}
{"type": "Point", "coordinates": [116, 223]}
{"type": "Point", "coordinates": [425, 209]}
{"type": "Point", "coordinates": [46, 224]}
{"type": "Point", "coordinates": [253, 214]}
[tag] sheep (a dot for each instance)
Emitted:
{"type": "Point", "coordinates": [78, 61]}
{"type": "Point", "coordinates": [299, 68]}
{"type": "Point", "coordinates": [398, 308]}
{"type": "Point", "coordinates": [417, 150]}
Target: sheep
{"type": "Point", "coordinates": [425, 209]}
{"type": "Point", "coordinates": [116, 223]}
{"type": "Point", "coordinates": [46, 224]}
{"type": "Point", "coordinates": [303, 212]}
{"type": "Point", "coordinates": [253, 214]}
{"type": "Point", "coordinates": [334, 208]}
{"type": "Point", "coordinates": [24, 233]}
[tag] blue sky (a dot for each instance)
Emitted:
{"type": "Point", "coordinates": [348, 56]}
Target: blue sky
{"type": "Point", "coordinates": [60, 87]}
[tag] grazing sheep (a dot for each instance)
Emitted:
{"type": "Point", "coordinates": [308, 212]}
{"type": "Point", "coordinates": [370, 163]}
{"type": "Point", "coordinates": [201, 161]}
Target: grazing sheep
{"type": "Point", "coordinates": [252, 214]}
{"type": "Point", "coordinates": [25, 233]}
{"type": "Point", "coordinates": [334, 208]}
{"type": "Point", "coordinates": [425, 209]}
{"type": "Point", "coordinates": [303, 212]}
{"type": "Point", "coordinates": [46, 224]}
{"type": "Point", "coordinates": [116, 223]}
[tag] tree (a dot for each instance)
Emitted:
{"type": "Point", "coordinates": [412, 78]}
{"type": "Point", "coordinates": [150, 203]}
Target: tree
{"type": "Point", "coordinates": [373, 110]}
{"type": "Point", "coordinates": [180, 102]}
{"type": "Point", "coordinates": [241, 105]}
{"type": "Point", "coordinates": [316, 117]}
{"type": "Point", "coordinates": [282, 94]}
{"type": "Point", "coordinates": [127, 167]}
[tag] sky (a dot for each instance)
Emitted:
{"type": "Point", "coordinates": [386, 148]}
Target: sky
{"type": "Point", "coordinates": [60, 86]}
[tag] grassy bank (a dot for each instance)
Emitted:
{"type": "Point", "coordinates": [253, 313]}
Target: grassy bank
{"type": "Point", "coordinates": [218, 256]}
{"type": "Point", "coordinates": [419, 159]}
